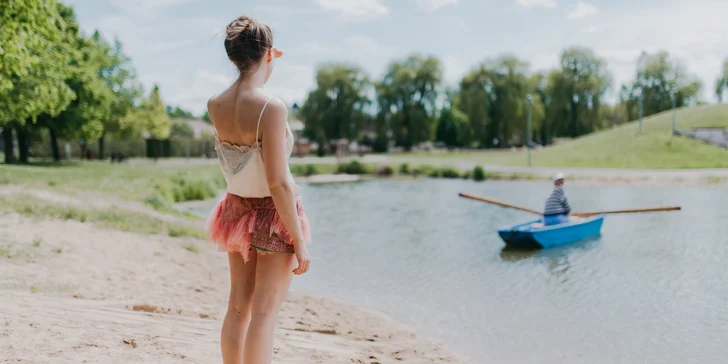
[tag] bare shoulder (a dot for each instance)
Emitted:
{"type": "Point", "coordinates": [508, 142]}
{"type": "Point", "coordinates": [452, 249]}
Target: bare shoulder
{"type": "Point", "coordinates": [276, 112]}
{"type": "Point", "coordinates": [213, 103]}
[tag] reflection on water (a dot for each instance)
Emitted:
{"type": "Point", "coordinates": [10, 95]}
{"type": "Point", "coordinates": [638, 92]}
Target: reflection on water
{"type": "Point", "coordinates": [650, 289]}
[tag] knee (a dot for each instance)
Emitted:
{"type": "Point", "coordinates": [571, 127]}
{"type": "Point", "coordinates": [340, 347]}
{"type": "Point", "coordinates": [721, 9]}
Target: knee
{"type": "Point", "coordinates": [240, 307]}
{"type": "Point", "coordinates": [267, 305]}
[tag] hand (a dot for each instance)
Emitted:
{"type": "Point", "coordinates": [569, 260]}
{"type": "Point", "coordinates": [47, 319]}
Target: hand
{"type": "Point", "coordinates": [304, 259]}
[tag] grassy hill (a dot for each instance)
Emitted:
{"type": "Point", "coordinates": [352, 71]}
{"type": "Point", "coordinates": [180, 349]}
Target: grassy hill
{"type": "Point", "coordinates": [621, 147]}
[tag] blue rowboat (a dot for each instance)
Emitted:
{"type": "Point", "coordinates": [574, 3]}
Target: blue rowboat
{"type": "Point", "coordinates": [534, 234]}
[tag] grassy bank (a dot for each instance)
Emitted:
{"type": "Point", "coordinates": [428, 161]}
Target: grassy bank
{"type": "Point", "coordinates": [622, 147]}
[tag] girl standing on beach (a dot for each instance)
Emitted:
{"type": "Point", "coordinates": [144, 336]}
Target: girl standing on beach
{"type": "Point", "coordinates": [260, 223]}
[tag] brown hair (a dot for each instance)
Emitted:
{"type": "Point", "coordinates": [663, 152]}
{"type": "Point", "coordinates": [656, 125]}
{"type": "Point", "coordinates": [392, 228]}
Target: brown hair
{"type": "Point", "coordinates": [246, 42]}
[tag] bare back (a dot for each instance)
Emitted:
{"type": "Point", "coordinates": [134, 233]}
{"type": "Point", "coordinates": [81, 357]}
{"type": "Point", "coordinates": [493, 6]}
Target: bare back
{"type": "Point", "coordinates": [235, 114]}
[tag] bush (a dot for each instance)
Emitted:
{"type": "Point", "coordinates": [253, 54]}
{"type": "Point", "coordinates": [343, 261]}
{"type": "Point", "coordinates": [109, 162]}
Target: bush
{"type": "Point", "coordinates": [467, 175]}
{"type": "Point", "coordinates": [449, 172]}
{"type": "Point", "coordinates": [434, 173]}
{"type": "Point", "coordinates": [404, 169]}
{"type": "Point", "coordinates": [353, 167]}
{"type": "Point", "coordinates": [479, 173]}
{"type": "Point", "coordinates": [310, 170]}
{"type": "Point", "coordinates": [384, 171]}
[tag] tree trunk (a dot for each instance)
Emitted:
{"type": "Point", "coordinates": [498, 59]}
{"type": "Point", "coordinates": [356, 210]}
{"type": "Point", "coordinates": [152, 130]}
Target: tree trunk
{"type": "Point", "coordinates": [8, 145]}
{"type": "Point", "coordinates": [101, 147]}
{"type": "Point", "coordinates": [574, 119]}
{"type": "Point", "coordinates": [54, 145]}
{"type": "Point", "coordinates": [22, 135]}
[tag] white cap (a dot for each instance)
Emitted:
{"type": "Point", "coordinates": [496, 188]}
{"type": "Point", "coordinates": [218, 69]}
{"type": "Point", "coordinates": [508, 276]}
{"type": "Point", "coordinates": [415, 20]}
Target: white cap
{"type": "Point", "coordinates": [558, 176]}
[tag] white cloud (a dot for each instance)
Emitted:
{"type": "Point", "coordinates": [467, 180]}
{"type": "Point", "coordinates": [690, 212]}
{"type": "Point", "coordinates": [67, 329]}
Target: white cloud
{"type": "Point", "coordinates": [549, 4]}
{"type": "Point", "coordinates": [591, 29]}
{"type": "Point", "coordinates": [356, 9]}
{"type": "Point", "coordinates": [432, 5]}
{"type": "Point", "coordinates": [582, 10]}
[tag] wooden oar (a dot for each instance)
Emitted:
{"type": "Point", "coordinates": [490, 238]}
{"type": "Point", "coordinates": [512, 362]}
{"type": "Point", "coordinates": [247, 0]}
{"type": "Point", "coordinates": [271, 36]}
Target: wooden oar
{"type": "Point", "coordinates": [498, 203]}
{"type": "Point", "coordinates": [579, 214]}
{"type": "Point", "coordinates": [628, 211]}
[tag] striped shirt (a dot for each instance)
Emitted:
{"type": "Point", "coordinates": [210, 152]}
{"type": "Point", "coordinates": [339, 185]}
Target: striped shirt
{"type": "Point", "coordinates": [557, 203]}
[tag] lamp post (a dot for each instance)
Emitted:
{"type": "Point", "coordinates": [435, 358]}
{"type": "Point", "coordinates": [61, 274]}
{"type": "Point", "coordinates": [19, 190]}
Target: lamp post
{"type": "Point", "coordinates": [640, 80]}
{"type": "Point", "coordinates": [529, 99]}
{"type": "Point", "coordinates": [639, 108]}
{"type": "Point", "coordinates": [296, 145]}
{"type": "Point", "coordinates": [674, 109]}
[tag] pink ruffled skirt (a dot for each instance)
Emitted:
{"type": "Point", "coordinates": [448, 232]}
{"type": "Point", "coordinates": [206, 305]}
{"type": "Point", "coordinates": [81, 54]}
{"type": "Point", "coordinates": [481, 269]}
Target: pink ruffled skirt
{"type": "Point", "coordinates": [240, 224]}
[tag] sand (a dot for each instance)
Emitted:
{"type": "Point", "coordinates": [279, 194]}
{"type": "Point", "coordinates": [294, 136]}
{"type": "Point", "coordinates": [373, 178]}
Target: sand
{"type": "Point", "coordinates": [76, 293]}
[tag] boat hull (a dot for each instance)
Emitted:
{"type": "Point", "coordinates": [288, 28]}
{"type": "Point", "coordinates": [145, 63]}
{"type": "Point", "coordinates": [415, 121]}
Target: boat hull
{"type": "Point", "coordinates": [534, 235]}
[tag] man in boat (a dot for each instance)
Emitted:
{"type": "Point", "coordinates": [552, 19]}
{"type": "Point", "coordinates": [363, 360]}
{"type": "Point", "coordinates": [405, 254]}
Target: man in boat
{"type": "Point", "coordinates": [557, 208]}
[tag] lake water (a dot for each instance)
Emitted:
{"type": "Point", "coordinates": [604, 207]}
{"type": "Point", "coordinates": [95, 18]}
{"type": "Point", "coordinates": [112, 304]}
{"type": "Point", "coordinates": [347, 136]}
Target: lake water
{"type": "Point", "coordinates": [651, 289]}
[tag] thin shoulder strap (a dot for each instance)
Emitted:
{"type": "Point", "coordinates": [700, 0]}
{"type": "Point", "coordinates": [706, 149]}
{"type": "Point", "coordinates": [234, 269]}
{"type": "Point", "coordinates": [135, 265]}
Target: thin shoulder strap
{"type": "Point", "coordinates": [257, 129]}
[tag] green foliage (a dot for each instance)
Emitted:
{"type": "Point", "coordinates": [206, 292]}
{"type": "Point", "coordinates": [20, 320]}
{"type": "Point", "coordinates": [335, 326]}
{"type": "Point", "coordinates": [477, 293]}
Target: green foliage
{"type": "Point", "coordinates": [310, 170]}
{"type": "Point", "coordinates": [575, 93]}
{"type": "Point", "coordinates": [35, 54]}
{"type": "Point", "coordinates": [353, 167]}
{"type": "Point", "coordinates": [206, 117]}
{"type": "Point", "coordinates": [181, 130]}
{"type": "Point", "coordinates": [404, 168]}
{"type": "Point", "coordinates": [335, 109]}
{"type": "Point", "coordinates": [114, 218]}
{"type": "Point", "coordinates": [478, 174]}
{"type": "Point", "coordinates": [176, 112]}
{"type": "Point", "coordinates": [407, 100]}
{"type": "Point", "coordinates": [450, 172]}
{"type": "Point", "coordinates": [453, 126]}
{"type": "Point", "coordinates": [660, 78]}
{"type": "Point", "coordinates": [721, 85]}
{"type": "Point", "coordinates": [152, 116]}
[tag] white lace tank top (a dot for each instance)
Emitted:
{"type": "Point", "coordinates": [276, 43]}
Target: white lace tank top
{"type": "Point", "coordinates": [242, 165]}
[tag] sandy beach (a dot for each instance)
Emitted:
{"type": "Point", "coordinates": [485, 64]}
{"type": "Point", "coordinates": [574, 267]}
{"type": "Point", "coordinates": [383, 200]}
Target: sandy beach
{"type": "Point", "coordinates": [74, 292]}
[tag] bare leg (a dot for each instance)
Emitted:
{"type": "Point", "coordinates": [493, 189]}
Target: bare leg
{"type": "Point", "coordinates": [273, 274]}
{"type": "Point", "coordinates": [237, 319]}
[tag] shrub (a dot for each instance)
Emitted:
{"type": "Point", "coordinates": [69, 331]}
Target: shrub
{"type": "Point", "coordinates": [353, 167]}
{"type": "Point", "coordinates": [384, 171]}
{"type": "Point", "coordinates": [404, 169]}
{"type": "Point", "coordinates": [310, 170]}
{"type": "Point", "coordinates": [449, 172]}
{"type": "Point", "coordinates": [479, 173]}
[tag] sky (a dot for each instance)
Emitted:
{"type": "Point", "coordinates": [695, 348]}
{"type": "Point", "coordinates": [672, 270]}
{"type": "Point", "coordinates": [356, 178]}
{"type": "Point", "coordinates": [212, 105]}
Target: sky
{"type": "Point", "coordinates": [178, 44]}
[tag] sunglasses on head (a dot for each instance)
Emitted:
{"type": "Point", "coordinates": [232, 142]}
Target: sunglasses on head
{"type": "Point", "coordinates": [275, 53]}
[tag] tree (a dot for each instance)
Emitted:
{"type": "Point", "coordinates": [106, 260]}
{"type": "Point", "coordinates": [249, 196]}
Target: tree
{"type": "Point", "coordinates": [721, 86]}
{"type": "Point", "coordinates": [33, 67]}
{"type": "Point", "coordinates": [575, 92]}
{"type": "Point", "coordinates": [84, 117]}
{"type": "Point", "coordinates": [175, 112]}
{"type": "Point", "coordinates": [206, 117]}
{"type": "Point", "coordinates": [181, 130]}
{"type": "Point", "coordinates": [336, 108]}
{"type": "Point", "coordinates": [152, 116]}
{"type": "Point", "coordinates": [407, 97]}
{"type": "Point", "coordinates": [493, 96]}
{"type": "Point", "coordinates": [659, 79]}
{"type": "Point", "coordinates": [119, 75]}
{"type": "Point", "coordinates": [453, 127]}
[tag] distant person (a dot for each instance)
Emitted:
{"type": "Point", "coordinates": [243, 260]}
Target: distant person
{"type": "Point", "coordinates": [260, 223]}
{"type": "Point", "coordinates": [557, 208]}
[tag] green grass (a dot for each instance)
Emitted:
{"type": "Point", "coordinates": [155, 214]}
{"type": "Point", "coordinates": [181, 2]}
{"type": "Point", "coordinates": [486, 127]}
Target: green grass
{"type": "Point", "coordinates": [157, 185]}
{"type": "Point", "coordinates": [114, 218]}
{"type": "Point", "coordinates": [621, 147]}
